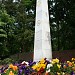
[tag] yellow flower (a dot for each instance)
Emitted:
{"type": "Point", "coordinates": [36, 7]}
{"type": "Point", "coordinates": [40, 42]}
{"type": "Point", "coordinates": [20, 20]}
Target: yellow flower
{"type": "Point", "coordinates": [55, 61]}
{"type": "Point", "coordinates": [72, 59]}
{"type": "Point", "coordinates": [34, 67]}
{"type": "Point", "coordinates": [68, 61]}
{"type": "Point", "coordinates": [42, 61]}
{"type": "Point", "coordinates": [11, 73]}
{"type": "Point", "coordinates": [39, 65]}
{"type": "Point", "coordinates": [11, 66]}
{"type": "Point", "coordinates": [58, 66]}
{"type": "Point", "coordinates": [43, 66]}
{"type": "Point", "coordinates": [38, 68]}
{"type": "Point", "coordinates": [5, 70]}
{"type": "Point", "coordinates": [73, 63]}
{"type": "Point", "coordinates": [63, 73]}
{"type": "Point", "coordinates": [58, 73]}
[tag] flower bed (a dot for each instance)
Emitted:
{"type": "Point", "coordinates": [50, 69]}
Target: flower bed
{"type": "Point", "coordinates": [43, 67]}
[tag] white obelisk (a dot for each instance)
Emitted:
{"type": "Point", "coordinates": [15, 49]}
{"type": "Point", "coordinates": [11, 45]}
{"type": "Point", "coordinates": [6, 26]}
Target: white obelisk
{"type": "Point", "coordinates": [42, 41]}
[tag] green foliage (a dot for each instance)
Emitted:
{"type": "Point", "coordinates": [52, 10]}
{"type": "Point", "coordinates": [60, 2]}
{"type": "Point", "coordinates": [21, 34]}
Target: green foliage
{"type": "Point", "coordinates": [24, 31]}
{"type": "Point", "coordinates": [17, 23]}
{"type": "Point", "coordinates": [5, 29]}
{"type": "Point", "coordinates": [55, 69]}
{"type": "Point", "coordinates": [18, 26]}
{"type": "Point", "coordinates": [0, 62]}
{"type": "Point", "coordinates": [62, 24]}
{"type": "Point", "coordinates": [7, 61]}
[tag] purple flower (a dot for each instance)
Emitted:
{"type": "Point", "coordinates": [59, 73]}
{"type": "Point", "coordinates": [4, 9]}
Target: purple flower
{"type": "Point", "coordinates": [20, 72]}
{"type": "Point", "coordinates": [72, 73]}
{"type": "Point", "coordinates": [27, 71]}
{"type": "Point", "coordinates": [23, 67]}
{"type": "Point", "coordinates": [31, 63]}
{"type": "Point", "coordinates": [6, 67]}
{"type": "Point", "coordinates": [1, 70]}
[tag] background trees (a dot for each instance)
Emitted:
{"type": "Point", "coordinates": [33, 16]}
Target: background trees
{"type": "Point", "coordinates": [17, 24]}
{"type": "Point", "coordinates": [62, 24]}
{"type": "Point", "coordinates": [6, 30]}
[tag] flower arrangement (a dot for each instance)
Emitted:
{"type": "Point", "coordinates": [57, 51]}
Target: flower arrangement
{"type": "Point", "coordinates": [43, 67]}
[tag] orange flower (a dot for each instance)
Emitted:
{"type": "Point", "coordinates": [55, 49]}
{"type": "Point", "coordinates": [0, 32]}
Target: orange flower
{"type": "Point", "coordinates": [46, 73]}
{"type": "Point", "coordinates": [15, 68]}
{"type": "Point", "coordinates": [64, 66]}
{"type": "Point", "coordinates": [11, 73]}
{"type": "Point", "coordinates": [73, 68]}
{"type": "Point", "coordinates": [69, 64]}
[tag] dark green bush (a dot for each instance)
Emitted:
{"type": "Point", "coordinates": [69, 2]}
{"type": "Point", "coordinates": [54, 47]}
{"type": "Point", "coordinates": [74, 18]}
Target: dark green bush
{"type": "Point", "coordinates": [7, 61]}
{"type": "Point", "coordinates": [0, 62]}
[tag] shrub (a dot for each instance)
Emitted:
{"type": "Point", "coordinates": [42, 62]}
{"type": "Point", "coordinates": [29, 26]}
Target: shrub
{"type": "Point", "coordinates": [7, 61]}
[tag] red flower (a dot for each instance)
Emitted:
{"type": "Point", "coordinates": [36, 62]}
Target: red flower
{"type": "Point", "coordinates": [42, 70]}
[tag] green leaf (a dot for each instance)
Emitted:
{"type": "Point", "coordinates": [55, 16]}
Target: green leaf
{"type": "Point", "coordinates": [3, 35]}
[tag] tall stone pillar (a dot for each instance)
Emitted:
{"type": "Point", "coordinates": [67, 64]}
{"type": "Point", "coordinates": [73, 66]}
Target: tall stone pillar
{"type": "Point", "coordinates": [42, 41]}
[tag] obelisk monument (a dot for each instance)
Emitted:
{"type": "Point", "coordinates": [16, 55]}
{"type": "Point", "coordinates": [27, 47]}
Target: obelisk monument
{"type": "Point", "coordinates": [42, 40]}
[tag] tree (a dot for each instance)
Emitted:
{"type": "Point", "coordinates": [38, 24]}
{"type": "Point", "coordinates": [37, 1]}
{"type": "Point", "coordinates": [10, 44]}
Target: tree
{"type": "Point", "coordinates": [62, 23]}
{"type": "Point", "coordinates": [23, 11]}
{"type": "Point", "coordinates": [6, 22]}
